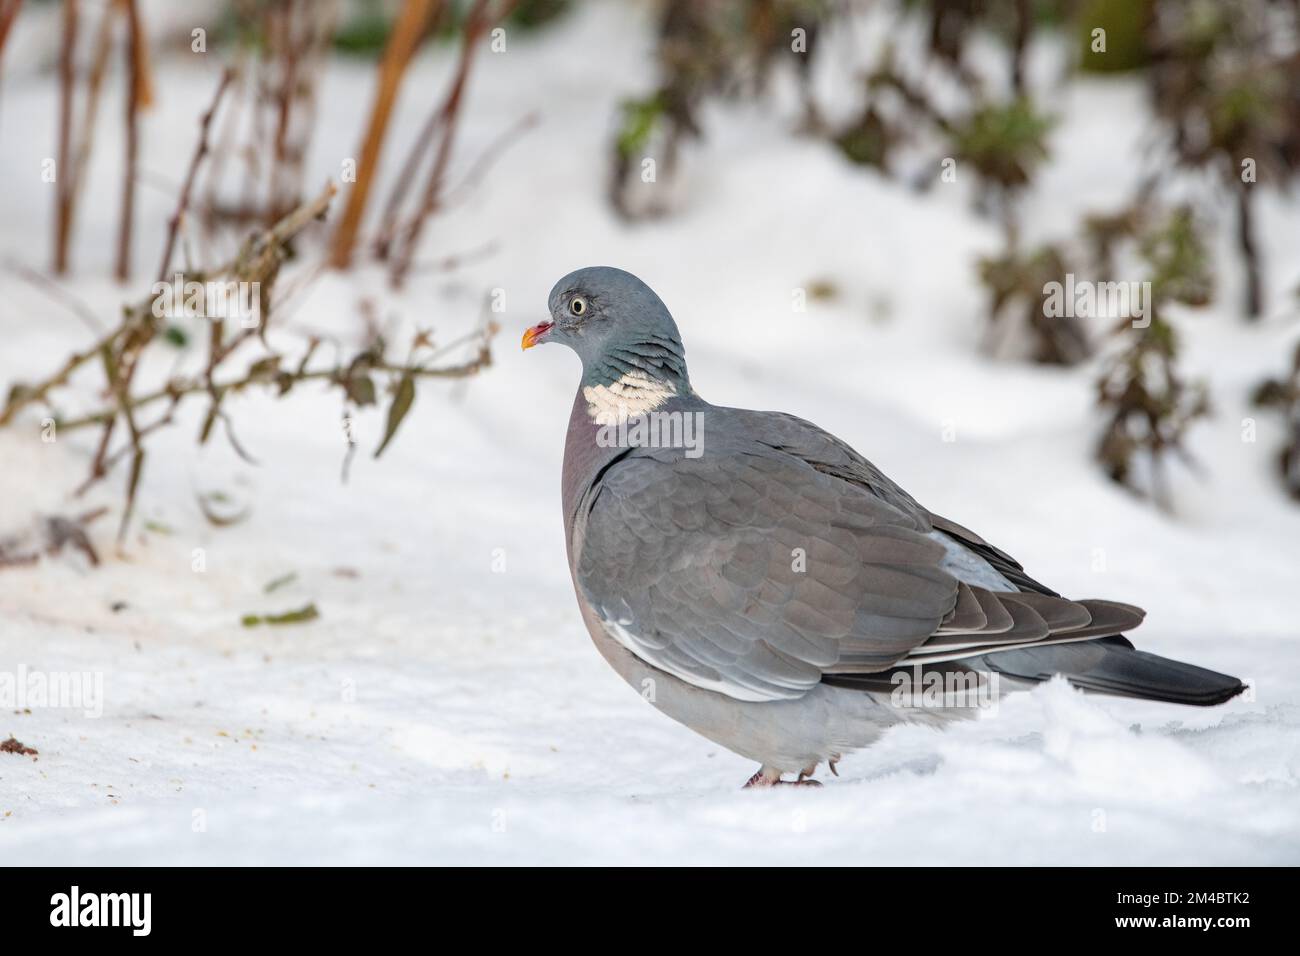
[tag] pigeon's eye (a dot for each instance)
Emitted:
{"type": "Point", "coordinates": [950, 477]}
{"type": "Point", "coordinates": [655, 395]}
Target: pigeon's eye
{"type": "Point", "coordinates": [578, 305]}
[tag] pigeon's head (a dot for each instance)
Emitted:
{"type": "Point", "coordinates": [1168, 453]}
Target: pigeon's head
{"type": "Point", "coordinates": [615, 323]}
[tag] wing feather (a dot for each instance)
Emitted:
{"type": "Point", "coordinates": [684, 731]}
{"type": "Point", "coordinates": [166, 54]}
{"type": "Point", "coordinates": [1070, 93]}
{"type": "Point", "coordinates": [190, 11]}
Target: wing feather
{"type": "Point", "coordinates": [769, 563]}
{"type": "Point", "coordinates": [747, 572]}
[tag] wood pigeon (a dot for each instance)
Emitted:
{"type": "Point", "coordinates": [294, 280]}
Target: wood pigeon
{"type": "Point", "coordinates": [759, 581]}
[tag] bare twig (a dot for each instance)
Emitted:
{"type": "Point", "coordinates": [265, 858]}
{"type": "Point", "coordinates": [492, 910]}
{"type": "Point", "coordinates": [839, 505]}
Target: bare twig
{"type": "Point", "coordinates": [8, 12]}
{"type": "Point", "coordinates": [135, 88]}
{"type": "Point", "coordinates": [407, 31]}
{"type": "Point", "coordinates": [492, 153]}
{"type": "Point", "coordinates": [200, 151]}
{"type": "Point", "coordinates": [63, 171]}
{"type": "Point", "coordinates": [21, 396]}
{"type": "Point", "coordinates": [455, 260]}
{"type": "Point", "coordinates": [94, 85]}
{"type": "Point", "coordinates": [299, 31]}
{"type": "Point", "coordinates": [477, 21]}
{"type": "Point", "coordinates": [362, 378]}
{"type": "Point", "coordinates": [228, 134]}
{"type": "Point", "coordinates": [179, 388]}
{"type": "Point", "coordinates": [60, 295]}
{"type": "Point", "coordinates": [1249, 252]}
{"type": "Point", "coordinates": [140, 315]}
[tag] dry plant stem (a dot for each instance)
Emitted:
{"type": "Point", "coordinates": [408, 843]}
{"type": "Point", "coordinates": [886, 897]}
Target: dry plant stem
{"type": "Point", "coordinates": [402, 42]}
{"type": "Point", "coordinates": [94, 85]}
{"type": "Point", "coordinates": [178, 389]}
{"type": "Point", "coordinates": [141, 314]}
{"type": "Point", "coordinates": [200, 152]}
{"type": "Point", "coordinates": [57, 293]}
{"type": "Point", "coordinates": [28, 396]}
{"type": "Point", "coordinates": [228, 134]}
{"type": "Point", "coordinates": [456, 260]}
{"type": "Point", "coordinates": [122, 357]}
{"type": "Point", "coordinates": [305, 29]}
{"type": "Point", "coordinates": [120, 382]}
{"type": "Point", "coordinates": [103, 463]}
{"type": "Point", "coordinates": [98, 467]}
{"type": "Point", "coordinates": [8, 12]}
{"type": "Point", "coordinates": [279, 65]}
{"type": "Point", "coordinates": [1024, 25]}
{"type": "Point", "coordinates": [250, 152]}
{"type": "Point", "coordinates": [280, 33]}
{"type": "Point", "coordinates": [280, 24]}
{"type": "Point", "coordinates": [63, 171]}
{"type": "Point", "coordinates": [493, 152]}
{"type": "Point", "coordinates": [1249, 254]}
{"type": "Point", "coordinates": [257, 262]}
{"type": "Point", "coordinates": [134, 87]}
{"type": "Point", "coordinates": [477, 21]}
{"type": "Point", "coordinates": [389, 221]}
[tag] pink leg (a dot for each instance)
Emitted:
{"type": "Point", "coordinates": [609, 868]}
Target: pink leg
{"type": "Point", "coordinates": [771, 777]}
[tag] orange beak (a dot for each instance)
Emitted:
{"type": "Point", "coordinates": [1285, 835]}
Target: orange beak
{"type": "Point", "coordinates": [536, 334]}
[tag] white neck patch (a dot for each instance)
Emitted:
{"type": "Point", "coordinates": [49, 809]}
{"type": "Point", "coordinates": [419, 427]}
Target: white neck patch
{"type": "Point", "coordinates": [635, 393]}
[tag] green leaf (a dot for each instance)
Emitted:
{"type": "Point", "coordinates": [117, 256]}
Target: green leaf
{"type": "Point", "coordinates": [1005, 142]}
{"type": "Point", "coordinates": [301, 616]}
{"type": "Point", "coordinates": [640, 117]}
{"type": "Point", "coordinates": [282, 581]}
{"type": "Point", "coordinates": [402, 402]}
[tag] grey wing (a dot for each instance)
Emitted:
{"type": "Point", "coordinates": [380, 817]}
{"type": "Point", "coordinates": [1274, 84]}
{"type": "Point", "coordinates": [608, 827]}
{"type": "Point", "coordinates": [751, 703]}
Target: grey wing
{"type": "Point", "coordinates": [750, 574]}
{"type": "Point", "coordinates": [999, 606]}
{"type": "Point", "coordinates": [757, 573]}
{"type": "Point", "coordinates": [831, 456]}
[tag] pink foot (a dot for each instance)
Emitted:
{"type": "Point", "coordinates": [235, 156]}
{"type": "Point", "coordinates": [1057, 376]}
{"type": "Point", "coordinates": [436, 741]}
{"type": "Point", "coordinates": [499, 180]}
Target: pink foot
{"type": "Point", "coordinates": [767, 777]}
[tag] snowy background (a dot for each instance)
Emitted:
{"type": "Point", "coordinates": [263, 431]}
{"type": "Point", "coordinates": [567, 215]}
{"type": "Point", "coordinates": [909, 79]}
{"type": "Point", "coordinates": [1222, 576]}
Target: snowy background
{"type": "Point", "coordinates": [441, 711]}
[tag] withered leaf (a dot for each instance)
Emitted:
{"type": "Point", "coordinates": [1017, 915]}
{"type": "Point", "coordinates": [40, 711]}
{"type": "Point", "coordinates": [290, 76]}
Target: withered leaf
{"type": "Point", "coordinates": [402, 401]}
{"type": "Point", "coordinates": [216, 517]}
{"type": "Point", "coordinates": [265, 368]}
{"type": "Point", "coordinates": [361, 389]}
{"type": "Point", "coordinates": [301, 616]}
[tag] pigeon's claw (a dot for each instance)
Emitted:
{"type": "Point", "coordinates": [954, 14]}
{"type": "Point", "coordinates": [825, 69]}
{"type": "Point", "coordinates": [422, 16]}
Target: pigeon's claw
{"type": "Point", "coordinates": [771, 777]}
{"type": "Point", "coordinates": [765, 777]}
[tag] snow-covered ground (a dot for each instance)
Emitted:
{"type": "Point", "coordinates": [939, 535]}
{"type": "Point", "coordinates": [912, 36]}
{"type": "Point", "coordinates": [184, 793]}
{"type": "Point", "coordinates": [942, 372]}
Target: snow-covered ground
{"type": "Point", "coordinates": [447, 706]}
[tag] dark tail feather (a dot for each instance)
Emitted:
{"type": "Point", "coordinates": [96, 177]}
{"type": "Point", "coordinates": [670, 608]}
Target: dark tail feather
{"type": "Point", "coordinates": [1111, 665]}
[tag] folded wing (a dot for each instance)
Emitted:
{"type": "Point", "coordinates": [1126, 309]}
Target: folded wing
{"type": "Point", "coordinates": [763, 567]}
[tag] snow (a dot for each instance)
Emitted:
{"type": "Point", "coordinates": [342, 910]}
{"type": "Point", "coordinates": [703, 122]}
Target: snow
{"type": "Point", "coordinates": [447, 706]}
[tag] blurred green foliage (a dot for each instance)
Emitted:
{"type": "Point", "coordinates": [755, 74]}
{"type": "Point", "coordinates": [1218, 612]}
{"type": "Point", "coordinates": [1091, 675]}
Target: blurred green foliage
{"type": "Point", "coordinates": [639, 117]}
{"type": "Point", "coordinates": [1179, 261]}
{"type": "Point", "coordinates": [866, 142]}
{"type": "Point", "coordinates": [531, 14]}
{"type": "Point", "coordinates": [1005, 142]}
{"type": "Point", "coordinates": [1124, 23]}
{"type": "Point", "coordinates": [365, 33]}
